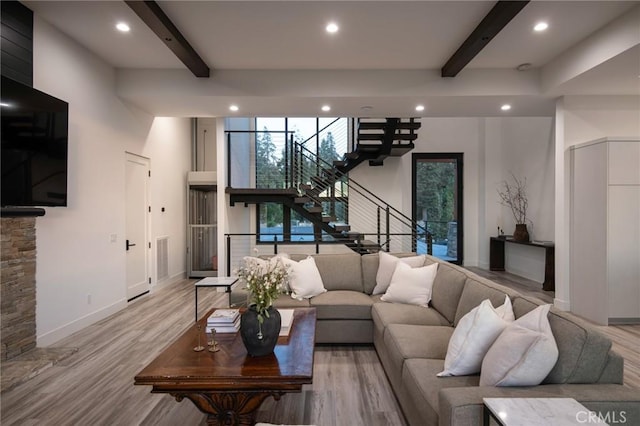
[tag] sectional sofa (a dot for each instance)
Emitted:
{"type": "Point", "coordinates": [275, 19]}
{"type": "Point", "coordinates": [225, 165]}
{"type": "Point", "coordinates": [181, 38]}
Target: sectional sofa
{"type": "Point", "coordinates": [411, 342]}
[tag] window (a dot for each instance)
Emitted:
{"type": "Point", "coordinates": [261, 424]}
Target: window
{"type": "Point", "coordinates": [437, 203]}
{"type": "Point", "coordinates": [321, 140]}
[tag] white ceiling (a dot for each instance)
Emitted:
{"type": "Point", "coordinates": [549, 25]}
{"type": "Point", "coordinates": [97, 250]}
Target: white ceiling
{"type": "Point", "coordinates": [274, 57]}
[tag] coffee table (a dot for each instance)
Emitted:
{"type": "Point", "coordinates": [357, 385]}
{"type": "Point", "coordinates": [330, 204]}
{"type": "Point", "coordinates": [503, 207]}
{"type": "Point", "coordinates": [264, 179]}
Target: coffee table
{"type": "Point", "coordinates": [229, 385]}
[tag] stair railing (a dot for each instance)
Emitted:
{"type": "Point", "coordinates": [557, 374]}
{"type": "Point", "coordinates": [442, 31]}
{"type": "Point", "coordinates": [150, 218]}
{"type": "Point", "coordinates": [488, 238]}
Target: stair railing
{"type": "Point", "coordinates": [362, 207]}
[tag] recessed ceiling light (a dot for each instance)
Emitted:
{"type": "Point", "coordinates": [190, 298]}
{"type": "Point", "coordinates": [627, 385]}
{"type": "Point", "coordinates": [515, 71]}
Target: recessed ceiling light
{"type": "Point", "coordinates": [332, 27]}
{"type": "Point", "coordinates": [122, 27]}
{"type": "Point", "coordinates": [326, 108]}
{"type": "Point", "coordinates": [419, 107]}
{"type": "Point", "coordinates": [234, 108]}
{"type": "Point", "coordinates": [541, 26]}
{"type": "Point", "coordinates": [505, 107]}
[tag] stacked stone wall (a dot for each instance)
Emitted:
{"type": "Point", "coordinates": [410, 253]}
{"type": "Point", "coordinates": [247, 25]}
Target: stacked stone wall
{"type": "Point", "coordinates": [18, 282]}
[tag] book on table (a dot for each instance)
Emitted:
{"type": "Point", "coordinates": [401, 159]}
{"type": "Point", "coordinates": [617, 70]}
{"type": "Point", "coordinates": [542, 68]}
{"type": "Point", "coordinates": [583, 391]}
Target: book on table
{"type": "Point", "coordinates": [223, 316]}
{"type": "Point", "coordinates": [286, 320]}
{"type": "Point", "coordinates": [230, 327]}
{"type": "Point", "coordinates": [224, 321]}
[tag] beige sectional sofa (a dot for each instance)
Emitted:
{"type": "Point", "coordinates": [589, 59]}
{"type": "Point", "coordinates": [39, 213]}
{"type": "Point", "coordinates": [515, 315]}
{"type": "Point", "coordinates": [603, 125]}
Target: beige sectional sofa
{"type": "Point", "coordinates": [411, 342]}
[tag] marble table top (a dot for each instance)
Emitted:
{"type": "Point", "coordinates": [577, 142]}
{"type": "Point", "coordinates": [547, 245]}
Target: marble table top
{"type": "Point", "coordinates": [541, 411]}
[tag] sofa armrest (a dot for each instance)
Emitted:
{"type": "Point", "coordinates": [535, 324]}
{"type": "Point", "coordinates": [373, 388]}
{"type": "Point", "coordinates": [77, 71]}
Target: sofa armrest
{"type": "Point", "coordinates": [464, 406]}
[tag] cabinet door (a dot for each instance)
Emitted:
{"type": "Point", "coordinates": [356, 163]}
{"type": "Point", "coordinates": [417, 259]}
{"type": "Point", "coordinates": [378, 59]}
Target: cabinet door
{"type": "Point", "coordinates": [624, 163]}
{"type": "Point", "coordinates": [588, 257]}
{"type": "Point", "coordinates": [624, 252]}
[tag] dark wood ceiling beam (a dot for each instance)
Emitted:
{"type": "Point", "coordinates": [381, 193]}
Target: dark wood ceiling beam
{"type": "Point", "coordinates": [155, 18]}
{"type": "Point", "coordinates": [497, 18]}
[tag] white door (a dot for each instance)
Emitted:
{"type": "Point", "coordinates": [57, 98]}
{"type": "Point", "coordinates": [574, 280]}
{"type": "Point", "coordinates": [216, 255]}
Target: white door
{"type": "Point", "coordinates": [137, 237]}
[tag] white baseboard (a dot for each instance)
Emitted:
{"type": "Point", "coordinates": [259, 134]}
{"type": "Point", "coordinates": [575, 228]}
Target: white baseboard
{"type": "Point", "coordinates": [563, 305]}
{"type": "Point", "coordinates": [68, 329]}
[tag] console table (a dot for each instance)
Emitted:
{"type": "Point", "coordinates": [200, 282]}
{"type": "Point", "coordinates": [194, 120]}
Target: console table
{"type": "Point", "coordinates": [496, 258]}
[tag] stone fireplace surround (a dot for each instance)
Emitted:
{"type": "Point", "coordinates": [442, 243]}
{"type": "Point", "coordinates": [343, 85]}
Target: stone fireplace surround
{"type": "Point", "coordinates": [21, 359]}
{"type": "Point", "coordinates": [18, 277]}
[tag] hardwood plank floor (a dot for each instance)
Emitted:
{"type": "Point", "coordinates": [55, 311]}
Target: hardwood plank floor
{"type": "Point", "coordinates": [95, 384]}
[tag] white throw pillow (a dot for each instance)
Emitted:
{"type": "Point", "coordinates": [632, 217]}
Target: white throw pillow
{"type": "Point", "coordinates": [387, 266]}
{"type": "Point", "coordinates": [304, 278]}
{"type": "Point", "coordinates": [524, 354]}
{"type": "Point", "coordinates": [474, 335]}
{"type": "Point", "coordinates": [411, 285]}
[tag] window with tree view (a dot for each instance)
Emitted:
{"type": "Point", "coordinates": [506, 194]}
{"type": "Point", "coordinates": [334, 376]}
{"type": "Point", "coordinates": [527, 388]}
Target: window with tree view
{"type": "Point", "coordinates": [318, 142]}
{"type": "Point", "coordinates": [437, 203]}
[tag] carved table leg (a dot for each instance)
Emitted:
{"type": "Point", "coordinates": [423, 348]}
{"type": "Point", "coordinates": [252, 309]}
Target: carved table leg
{"type": "Point", "coordinates": [228, 408]}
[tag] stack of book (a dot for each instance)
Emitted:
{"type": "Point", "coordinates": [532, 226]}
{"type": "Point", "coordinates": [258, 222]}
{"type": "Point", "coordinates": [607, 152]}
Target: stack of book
{"type": "Point", "coordinates": [224, 321]}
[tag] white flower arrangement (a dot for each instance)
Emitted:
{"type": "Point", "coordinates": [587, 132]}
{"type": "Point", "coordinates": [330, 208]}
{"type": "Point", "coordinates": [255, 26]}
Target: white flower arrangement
{"type": "Point", "coordinates": [265, 281]}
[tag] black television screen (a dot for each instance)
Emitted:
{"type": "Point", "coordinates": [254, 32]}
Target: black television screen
{"type": "Point", "coordinates": [34, 146]}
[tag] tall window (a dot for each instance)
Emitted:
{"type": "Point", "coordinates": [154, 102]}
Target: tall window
{"type": "Point", "coordinates": [437, 203]}
{"type": "Point", "coordinates": [322, 140]}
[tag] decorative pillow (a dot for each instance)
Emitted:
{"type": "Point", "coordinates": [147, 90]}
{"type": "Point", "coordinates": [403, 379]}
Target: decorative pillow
{"type": "Point", "coordinates": [524, 354]}
{"type": "Point", "coordinates": [387, 266]}
{"type": "Point", "coordinates": [474, 335]}
{"type": "Point", "coordinates": [304, 278]}
{"type": "Point", "coordinates": [411, 285]}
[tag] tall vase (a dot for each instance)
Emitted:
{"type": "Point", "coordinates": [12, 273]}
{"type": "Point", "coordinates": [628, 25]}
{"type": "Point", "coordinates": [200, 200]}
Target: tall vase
{"type": "Point", "coordinates": [521, 234]}
{"type": "Point", "coordinates": [260, 339]}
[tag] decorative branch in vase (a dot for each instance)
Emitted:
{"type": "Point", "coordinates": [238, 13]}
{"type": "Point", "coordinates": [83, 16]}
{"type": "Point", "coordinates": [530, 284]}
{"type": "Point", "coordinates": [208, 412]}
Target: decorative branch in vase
{"type": "Point", "coordinates": [514, 195]}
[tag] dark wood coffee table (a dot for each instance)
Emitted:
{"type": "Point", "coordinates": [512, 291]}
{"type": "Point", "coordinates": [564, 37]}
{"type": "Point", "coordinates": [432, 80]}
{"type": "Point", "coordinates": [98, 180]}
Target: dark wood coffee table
{"type": "Point", "coordinates": [229, 385]}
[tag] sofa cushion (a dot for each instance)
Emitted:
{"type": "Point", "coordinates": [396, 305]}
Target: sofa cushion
{"type": "Point", "coordinates": [286, 301]}
{"type": "Point", "coordinates": [420, 381]}
{"type": "Point", "coordinates": [385, 313]}
{"type": "Point", "coordinates": [447, 288]}
{"type": "Point", "coordinates": [387, 265]}
{"type": "Point", "coordinates": [583, 351]}
{"type": "Point", "coordinates": [411, 285]}
{"type": "Point", "coordinates": [304, 278]}
{"type": "Point", "coordinates": [342, 304]}
{"type": "Point", "coordinates": [340, 271]}
{"type": "Point", "coordinates": [523, 354]}
{"type": "Point", "coordinates": [477, 289]}
{"type": "Point", "coordinates": [473, 337]}
{"type": "Point", "coordinates": [370, 263]}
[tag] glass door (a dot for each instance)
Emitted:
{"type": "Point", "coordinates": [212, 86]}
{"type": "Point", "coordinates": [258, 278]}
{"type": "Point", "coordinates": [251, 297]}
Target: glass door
{"type": "Point", "coordinates": [437, 204]}
{"type": "Point", "coordinates": [202, 232]}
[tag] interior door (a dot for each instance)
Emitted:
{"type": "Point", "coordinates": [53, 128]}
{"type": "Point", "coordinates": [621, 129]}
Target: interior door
{"type": "Point", "coordinates": [137, 236]}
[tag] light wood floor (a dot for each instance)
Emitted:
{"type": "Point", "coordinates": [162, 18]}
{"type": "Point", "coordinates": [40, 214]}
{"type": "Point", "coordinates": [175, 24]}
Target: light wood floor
{"type": "Point", "coordinates": [95, 385]}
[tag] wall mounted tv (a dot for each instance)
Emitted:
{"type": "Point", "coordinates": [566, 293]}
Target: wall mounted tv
{"type": "Point", "coordinates": [34, 146]}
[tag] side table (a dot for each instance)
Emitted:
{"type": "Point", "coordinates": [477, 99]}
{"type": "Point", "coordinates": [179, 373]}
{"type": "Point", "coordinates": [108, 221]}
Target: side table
{"type": "Point", "coordinates": [225, 282]}
{"type": "Point", "coordinates": [538, 412]}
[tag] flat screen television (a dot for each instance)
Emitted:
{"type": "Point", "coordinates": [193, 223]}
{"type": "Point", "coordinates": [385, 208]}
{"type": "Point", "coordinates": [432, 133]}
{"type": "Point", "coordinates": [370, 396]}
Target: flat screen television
{"type": "Point", "coordinates": [34, 138]}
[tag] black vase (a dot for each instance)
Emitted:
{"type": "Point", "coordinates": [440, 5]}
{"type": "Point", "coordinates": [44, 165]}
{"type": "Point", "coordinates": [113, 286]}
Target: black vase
{"type": "Point", "coordinates": [521, 234]}
{"type": "Point", "coordinates": [260, 339]}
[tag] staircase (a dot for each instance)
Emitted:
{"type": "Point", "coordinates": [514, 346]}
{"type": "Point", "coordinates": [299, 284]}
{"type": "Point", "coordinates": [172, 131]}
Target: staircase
{"type": "Point", "coordinates": [377, 140]}
{"type": "Point", "coordinates": [316, 189]}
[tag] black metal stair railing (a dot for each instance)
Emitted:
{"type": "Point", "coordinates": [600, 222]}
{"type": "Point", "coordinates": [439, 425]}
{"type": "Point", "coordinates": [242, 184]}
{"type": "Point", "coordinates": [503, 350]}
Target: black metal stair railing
{"type": "Point", "coordinates": [361, 208]}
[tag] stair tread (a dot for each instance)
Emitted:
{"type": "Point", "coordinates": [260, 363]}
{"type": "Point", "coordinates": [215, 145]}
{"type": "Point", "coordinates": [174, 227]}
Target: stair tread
{"type": "Point", "coordinates": [405, 125]}
{"type": "Point", "coordinates": [380, 136]}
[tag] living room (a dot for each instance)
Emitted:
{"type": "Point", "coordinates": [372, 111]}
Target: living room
{"type": "Point", "coordinates": [142, 104]}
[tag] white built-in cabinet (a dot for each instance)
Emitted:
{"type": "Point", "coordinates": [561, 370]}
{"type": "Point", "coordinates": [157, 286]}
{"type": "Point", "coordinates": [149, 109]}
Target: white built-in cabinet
{"type": "Point", "coordinates": [605, 230]}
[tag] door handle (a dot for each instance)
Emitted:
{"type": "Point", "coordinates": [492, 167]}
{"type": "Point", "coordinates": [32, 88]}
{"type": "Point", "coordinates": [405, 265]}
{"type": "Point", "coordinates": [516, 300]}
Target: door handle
{"type": "Point", "coordinates": [129, 245]}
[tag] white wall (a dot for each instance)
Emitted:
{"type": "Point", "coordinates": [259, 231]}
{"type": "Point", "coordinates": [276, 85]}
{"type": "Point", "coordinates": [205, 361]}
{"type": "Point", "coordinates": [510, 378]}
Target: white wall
{"type": "Point", "coordinates": [80, 272]}
{"type": "Point", "coordinates": [580, 119]}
